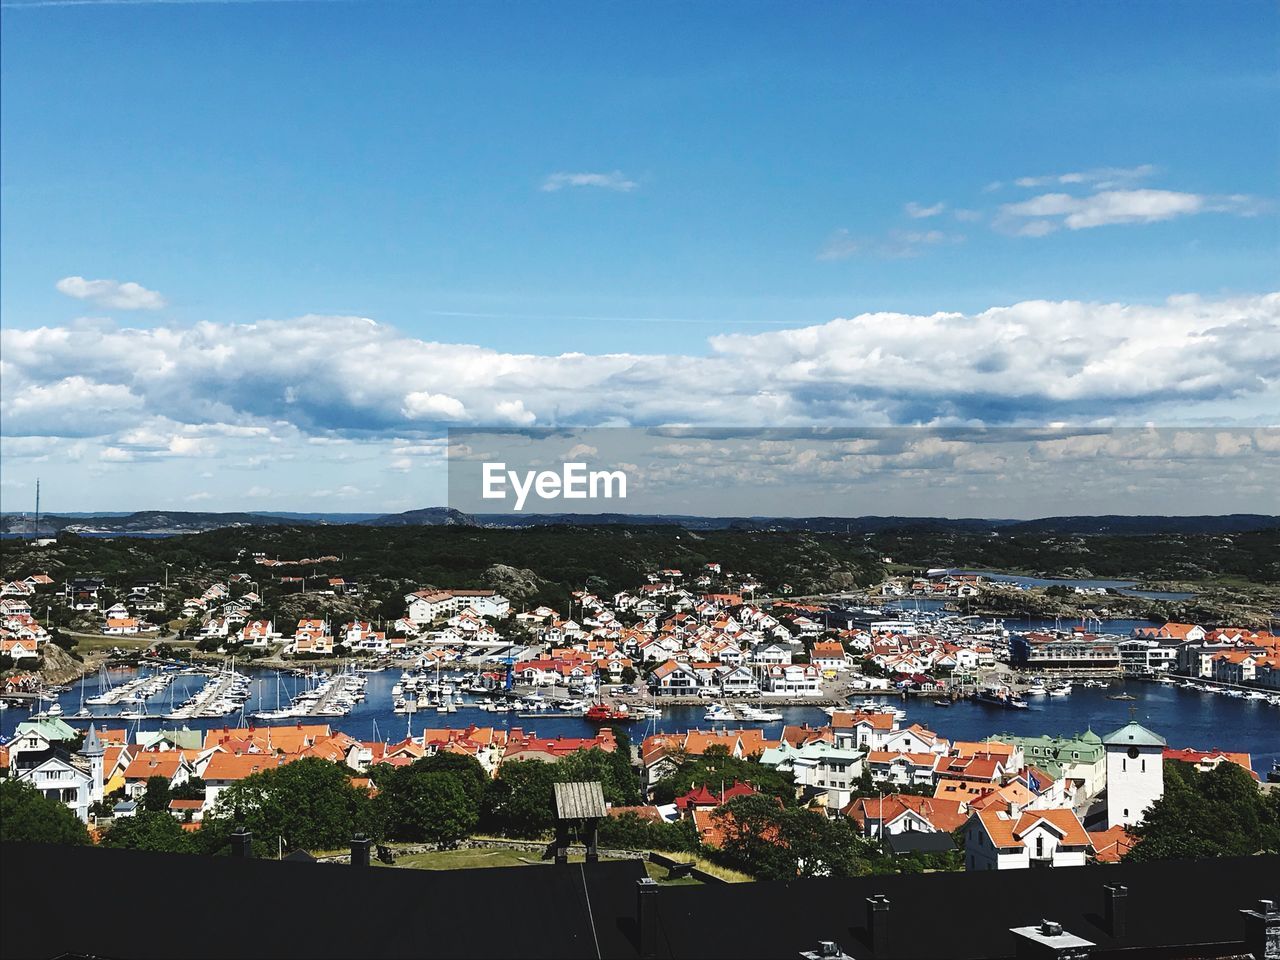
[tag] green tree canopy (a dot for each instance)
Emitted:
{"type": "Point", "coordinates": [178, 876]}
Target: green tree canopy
{"type": "Point", "coordinates": [309, 804]}
{"type": "Point", "coordinates": [773, 842]}
{"type": "Point", "coordinates": [519, 801]}
{"type": "Point", "coordinates": [152, 830]}
{"type": "Point", "coordinates": [157, 795]}
{"type": "Point", "coordinates": [1216, 813]}
{"type": "Point", "coordinates": [715, 767]}
{"type": "Point", "coordinates": [420, 804]}
{"type": "Point", "coordinates": [28, 815]}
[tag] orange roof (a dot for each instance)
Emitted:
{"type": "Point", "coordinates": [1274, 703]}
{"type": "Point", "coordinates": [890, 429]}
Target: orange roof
{"type": "Point", "coordinates": [286, 738]}
{"type": "Point", "coordinates": [959, 790]}
{"type": "Point", "coordinates": [160, 763]}
{"type": "Point", "coordinates": [1005, 831]}
{"type": "Point", "coordinates": [1111, 844]}
{"type": "Point", "coordinates": [993, 748]}
{"type": "Point", "coordinates": [230, 766]}
{"type": "Point", "coordinates": [843, 720]}
{"type": "Point", "coordinates": [944, 815]}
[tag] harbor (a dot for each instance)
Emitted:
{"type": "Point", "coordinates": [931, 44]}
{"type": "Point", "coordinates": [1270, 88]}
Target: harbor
{"type": "Point", "coordinates": [1186, 715]}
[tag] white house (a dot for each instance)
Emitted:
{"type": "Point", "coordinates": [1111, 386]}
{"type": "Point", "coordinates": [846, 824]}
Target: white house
{"type": "Point", "coordinates": [75, 782]}
{"type": "Point", "coordinates": [674, 679]}
{"type": "Point", "coordinates": [794, 680]}
{"type": "Point", "coordinates": [995, 839]}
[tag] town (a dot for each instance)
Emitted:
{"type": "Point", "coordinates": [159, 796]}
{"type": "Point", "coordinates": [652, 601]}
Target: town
{"type": "Point", "coordinates": [711, 647]}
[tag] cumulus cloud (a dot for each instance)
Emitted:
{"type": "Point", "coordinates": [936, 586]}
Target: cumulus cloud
{"type": "Point", "coordinates": [422, 405]}
{"type": "Point", "coordinates": [112, 293]}
{"type": "Point", "coordinates": [615, 180]}
{"type": "Point", "coordinates": [182, 392]}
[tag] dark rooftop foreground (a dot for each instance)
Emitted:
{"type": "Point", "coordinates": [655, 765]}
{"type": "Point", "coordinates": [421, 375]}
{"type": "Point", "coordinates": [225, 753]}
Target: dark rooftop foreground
{"type": "Point", "coordinates": [233, 907]}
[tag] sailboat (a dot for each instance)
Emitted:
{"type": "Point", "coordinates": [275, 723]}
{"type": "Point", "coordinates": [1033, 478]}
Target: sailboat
{"type": "Point", "coordinates": [83, 713]}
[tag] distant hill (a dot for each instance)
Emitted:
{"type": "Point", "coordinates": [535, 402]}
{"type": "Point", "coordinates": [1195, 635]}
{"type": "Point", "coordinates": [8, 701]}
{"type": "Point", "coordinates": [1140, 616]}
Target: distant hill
{"type": "Point", "coordinates": [427, 517]}
{"type": "Point", "coordinates": [177, 521]}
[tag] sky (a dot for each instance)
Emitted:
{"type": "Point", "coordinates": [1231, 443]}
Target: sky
{"type": "Point", "coordinates": [262, 255]}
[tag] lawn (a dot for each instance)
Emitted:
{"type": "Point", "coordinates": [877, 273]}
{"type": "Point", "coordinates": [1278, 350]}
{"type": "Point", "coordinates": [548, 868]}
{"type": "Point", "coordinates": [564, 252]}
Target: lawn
{"type": "Point", "coordinates": [502, 857]}
{"type": "Point", "coordinates": [86, 642]}
{"type": "Point", "coordinates": [468, 859]}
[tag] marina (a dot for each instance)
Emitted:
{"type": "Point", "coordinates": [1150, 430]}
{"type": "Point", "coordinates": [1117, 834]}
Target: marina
{"type": "Point", "coordinates": [1186, 715]}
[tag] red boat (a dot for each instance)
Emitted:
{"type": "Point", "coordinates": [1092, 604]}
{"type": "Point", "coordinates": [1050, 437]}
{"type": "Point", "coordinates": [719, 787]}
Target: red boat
{"type": "Point", "coordinates": [599, 713]}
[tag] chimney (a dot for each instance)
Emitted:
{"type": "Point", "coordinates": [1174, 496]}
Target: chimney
{"type": "Point", "coordinates": [647, 916]}
{"type": "Point", "coordinates": [360, 850]}
{"type": "Point", "coordinates": [241, 843]}
{"type": "Point", "coordinates": [1262, 930]}
{"type": "Point", "coordinates": [1048, 941]}
{"type": "Point", "coordinates": [827, 950]}
{"type": "Point", "coordinates": [878, 925]}
{"type": "Point", "coordinates": [1115, 908]}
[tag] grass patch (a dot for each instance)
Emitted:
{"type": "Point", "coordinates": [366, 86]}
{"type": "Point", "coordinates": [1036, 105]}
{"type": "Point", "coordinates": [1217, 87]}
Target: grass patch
{"type": "Point", "coordinates": [469, 859]}
{"type": "Point", "coordinates": [477, 857]}
{"type": "Point", "coordinates": [702, 863]}
{"type": "Point", "coordinates": [86, 642]}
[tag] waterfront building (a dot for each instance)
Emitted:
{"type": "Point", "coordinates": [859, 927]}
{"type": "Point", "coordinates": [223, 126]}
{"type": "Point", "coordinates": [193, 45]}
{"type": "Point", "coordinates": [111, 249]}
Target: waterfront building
{"type": "Point", "coordinates": [1074, 652]}
{"type": "Point", "coordinates": [1145, 656]}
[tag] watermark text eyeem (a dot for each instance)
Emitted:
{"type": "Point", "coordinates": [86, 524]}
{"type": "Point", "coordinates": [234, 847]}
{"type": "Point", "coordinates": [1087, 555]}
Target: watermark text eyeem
{"type": "Point", "coordinates": [573, 482]}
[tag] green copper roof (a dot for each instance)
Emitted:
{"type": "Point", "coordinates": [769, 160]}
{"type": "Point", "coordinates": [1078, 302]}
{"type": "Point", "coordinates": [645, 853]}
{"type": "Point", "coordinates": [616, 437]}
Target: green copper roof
{"type": "Point", "coordinates": [1134, 734]}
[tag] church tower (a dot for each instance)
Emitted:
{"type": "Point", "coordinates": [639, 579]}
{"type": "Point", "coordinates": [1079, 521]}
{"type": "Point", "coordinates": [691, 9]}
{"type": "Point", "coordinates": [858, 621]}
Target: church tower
{"type": "Point", "coordinates": [1135, 773]}
{"type": "Point", "coordinates": [93, 751]}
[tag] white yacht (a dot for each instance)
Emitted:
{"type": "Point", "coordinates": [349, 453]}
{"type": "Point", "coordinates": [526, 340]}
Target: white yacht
{"type": "Point", "coordinates": [719, 713]}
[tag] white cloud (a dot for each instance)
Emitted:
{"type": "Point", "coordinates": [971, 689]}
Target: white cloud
{"type": "Point", "coordinates": [112, 293]}
{"type": "Point", "coordinates": [1036, 216]}
{"type": "Point", "coordinates": [616, 180]}
{"type": "Point", "coordinates": [163, 393]}
{"type": "Point", "coordinates": [1099, 178]}
{"type": "Point", "coordinates": [421, 405]}
{"type": "Point", "coordinates": [894, 245]}
{"type": "Point", "coordinates": [918, 212]}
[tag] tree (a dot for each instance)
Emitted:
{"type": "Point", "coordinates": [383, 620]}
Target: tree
{"type": "Point", "coordinates": [715, 767]}
{"type": "Point", "coordinates": [470, 774]}
{"type": "Point", "coordinates": [611, 768]}
{"type": "Point", "coordinates": [420, 804]}
{"type": "Point", "coordinates": [153, 830]}
{"type": "Point", "coordinates": [772, 842]}
{"type": "Point", "coordinates": [158, 794]}
{"type": "Point", "coordinates": [28, 815]}
{"type": "Point", "coordinates": [519, 801]}
{"type": "Point", "coordinates": [631, 832]}
{"type": "Point", "coordinates": [192, 789]}
{"type": "Point", "coordinates": [628, 675]}
{"type": "Point", "coordinates": [1245, 820]}
{"type": "Point", "coordinates": [309, 804]}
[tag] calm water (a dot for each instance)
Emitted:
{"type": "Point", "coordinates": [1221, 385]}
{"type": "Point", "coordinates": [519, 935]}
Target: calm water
{"type": "Point", "coordinates": [1185, 718]}
{"type": "Point", "coordinates": [1120, 586]}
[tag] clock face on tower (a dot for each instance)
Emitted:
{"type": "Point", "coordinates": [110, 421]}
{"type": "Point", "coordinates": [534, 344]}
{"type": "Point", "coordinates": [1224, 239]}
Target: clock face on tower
{"type": "Point", "coordinates": [1133, 753]}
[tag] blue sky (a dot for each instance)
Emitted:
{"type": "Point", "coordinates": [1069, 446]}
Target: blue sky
{"type": "Point", "coordinates": [606, 178]}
